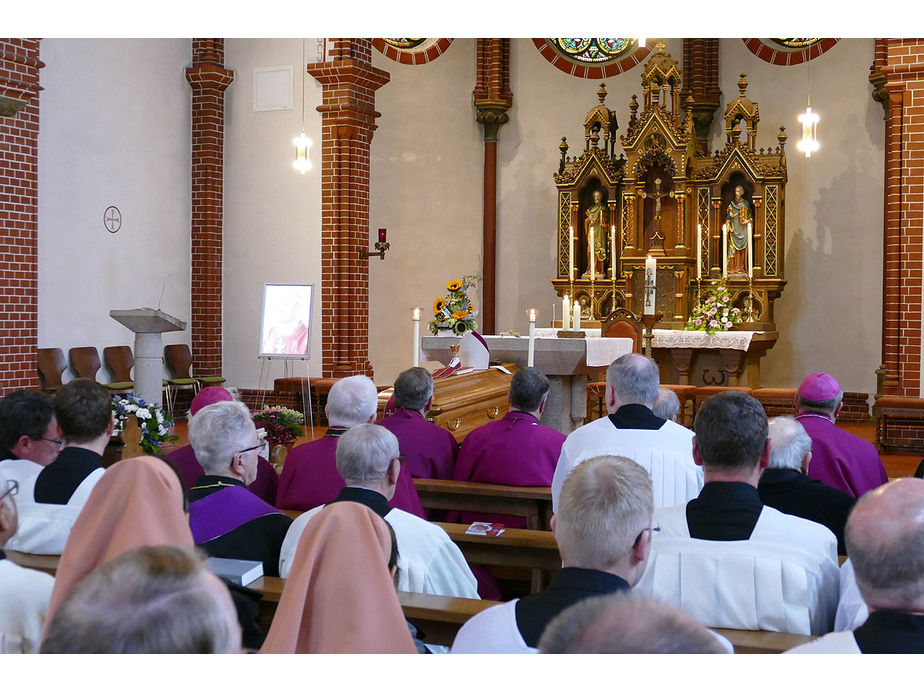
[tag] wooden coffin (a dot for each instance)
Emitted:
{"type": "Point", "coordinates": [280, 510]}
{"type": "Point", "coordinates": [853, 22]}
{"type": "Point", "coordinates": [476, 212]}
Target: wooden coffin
{"type": "Point", "coordinates": [462, 403]}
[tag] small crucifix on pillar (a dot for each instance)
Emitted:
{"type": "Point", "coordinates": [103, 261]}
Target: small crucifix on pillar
{"type": "Point", "coordinates": [656, 238]}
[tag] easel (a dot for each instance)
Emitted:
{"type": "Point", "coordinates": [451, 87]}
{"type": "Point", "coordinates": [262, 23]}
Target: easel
{"type": "Point", "coordinates": [288, 371]}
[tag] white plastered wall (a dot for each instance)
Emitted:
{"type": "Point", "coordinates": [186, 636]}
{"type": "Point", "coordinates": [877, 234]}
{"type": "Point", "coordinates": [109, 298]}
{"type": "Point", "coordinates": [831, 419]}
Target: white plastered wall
{"type": "Point", "coordinates": [426, 189]}
{"type": "Point", "coordinates": [272, 217]}
{"type": "Point", "coordinates": [830, 314]}
{"type": "Point", "coordinates": [114, 130]}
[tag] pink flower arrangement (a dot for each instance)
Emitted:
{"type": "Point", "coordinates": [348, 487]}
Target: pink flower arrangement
{"type": "Point", "coordinates": [715, 312]}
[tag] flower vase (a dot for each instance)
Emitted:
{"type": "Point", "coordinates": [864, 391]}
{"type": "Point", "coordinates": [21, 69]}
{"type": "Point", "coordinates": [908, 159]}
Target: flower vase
{"type": "Point", "coordinates": [445, 332]}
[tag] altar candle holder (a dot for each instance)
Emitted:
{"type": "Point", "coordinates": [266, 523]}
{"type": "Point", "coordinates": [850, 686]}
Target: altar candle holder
{"type": "Point", "coordinates": [415, 318]}
{"type": "Point", "coordinates": [749, 302]}
{"type": "Point", "coordinates": [649, 321]}
{"type": "Point", "coordinates": [531, 352]}
{"type": "Point", "coordinates": [380, 247]}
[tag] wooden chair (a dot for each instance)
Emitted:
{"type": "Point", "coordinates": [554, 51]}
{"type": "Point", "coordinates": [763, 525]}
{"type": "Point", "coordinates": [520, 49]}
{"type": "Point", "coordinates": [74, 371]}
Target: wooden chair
{"type": "Point", "coordinates": [685, 393]}
{"type": "Point", "coordinates": [51, 365]}
{"type": "Point", "coordinates": [120, 361]}
{"type": "Point", "coordinates": [84, 361]}
{"type": "Point", "coordinates": [179, 361]}
{"type": "Point", "coordinates": [622, 322]}
{"type": "Point", "coordinates": [704, 393]}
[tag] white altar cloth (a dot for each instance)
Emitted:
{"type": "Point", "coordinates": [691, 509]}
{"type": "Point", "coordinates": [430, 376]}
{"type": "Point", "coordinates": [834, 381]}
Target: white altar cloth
{"type": "Point", "coordinates": [695, 339]}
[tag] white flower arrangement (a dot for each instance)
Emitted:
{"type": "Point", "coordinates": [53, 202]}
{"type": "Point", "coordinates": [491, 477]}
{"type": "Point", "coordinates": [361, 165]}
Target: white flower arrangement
{"type": "Point", "coordinates": [152, 422]}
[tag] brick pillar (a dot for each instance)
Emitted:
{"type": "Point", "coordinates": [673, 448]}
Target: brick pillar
{"type": "Point", "coordinates": [701, 85]}
{"type": "Point", "coordinates": [348, 114]}
{"type": "Point", "coordinates": [492, 97]}
{"type": "Point", "coordinates": [19, 126]}
{"type": "Point", "coordinates": [208, 80]}
{"type": "Point", "coordinates": [903, 234]}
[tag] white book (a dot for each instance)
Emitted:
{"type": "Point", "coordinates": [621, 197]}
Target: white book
{"type": "Point", "coordinates": [238, 571]}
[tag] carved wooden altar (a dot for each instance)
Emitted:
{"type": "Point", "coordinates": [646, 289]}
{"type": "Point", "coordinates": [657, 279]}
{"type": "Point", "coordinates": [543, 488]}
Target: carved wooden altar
{"type": "Point", "coordinates": [657, 192]}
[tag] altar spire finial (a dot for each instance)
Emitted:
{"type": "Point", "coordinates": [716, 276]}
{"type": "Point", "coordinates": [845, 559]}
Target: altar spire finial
{"type": "Point", "coordinates": [601, 92]}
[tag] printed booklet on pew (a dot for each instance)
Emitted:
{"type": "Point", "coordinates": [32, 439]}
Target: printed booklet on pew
{"type": "Point", "coordinates": [485, 529]}
{"type": "Point", "coordinates": [234, 570]}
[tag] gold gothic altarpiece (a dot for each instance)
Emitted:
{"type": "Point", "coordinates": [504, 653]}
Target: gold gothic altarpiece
{"type": "Point", "coordinates": [651, 197]}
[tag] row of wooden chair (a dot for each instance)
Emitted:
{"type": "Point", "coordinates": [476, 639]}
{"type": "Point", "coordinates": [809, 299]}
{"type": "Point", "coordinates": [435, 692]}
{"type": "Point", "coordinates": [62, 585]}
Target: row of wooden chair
{"type": "Point", "coordinates": [777, 401]}
{"type": "Point", "coordinates": [85, 363]}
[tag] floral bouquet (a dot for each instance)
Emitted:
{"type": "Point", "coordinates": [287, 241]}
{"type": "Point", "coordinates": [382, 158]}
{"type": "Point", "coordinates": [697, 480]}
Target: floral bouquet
{"type": "Point", "coordinates": [282, 425]}
{"type": "Point", "coordinates": [715, 311]}
{"type": "Point", "coordinates": [152, 422]}
{"type": "Point", "coordinates": [455, 312]}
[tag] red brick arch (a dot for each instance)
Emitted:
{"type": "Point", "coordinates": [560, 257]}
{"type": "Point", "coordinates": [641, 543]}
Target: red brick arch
{"type": "Point", "coordinates": [780, 56]}
{"type": "Point", "coordinates": [413, 56]}
{"type": "Point", "coordinates": [586, 70]}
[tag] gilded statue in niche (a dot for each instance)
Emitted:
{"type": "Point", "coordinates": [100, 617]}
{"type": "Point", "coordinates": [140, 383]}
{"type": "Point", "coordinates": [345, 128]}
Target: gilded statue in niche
{"type": "Point", "coordinates": [738, 216]}
{"type": "Point", "coordinates": [597, 217]}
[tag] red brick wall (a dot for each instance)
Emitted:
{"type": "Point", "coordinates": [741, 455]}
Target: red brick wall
{"type": "Point", "coordinates": [208, 80]}
{"type": "Point", "coordinates": [19, 83]}
{"type": "Point", "coordinates": [348, 118]}
{"type": "Point", "coordinates": [904, 230]}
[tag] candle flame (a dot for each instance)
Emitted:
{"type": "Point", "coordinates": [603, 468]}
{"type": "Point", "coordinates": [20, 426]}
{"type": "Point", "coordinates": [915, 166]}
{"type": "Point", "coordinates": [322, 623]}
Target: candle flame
{"type": "Point", "coordinates": [415, 315]}
{"type": "Point", "coordinates": [532, 315]}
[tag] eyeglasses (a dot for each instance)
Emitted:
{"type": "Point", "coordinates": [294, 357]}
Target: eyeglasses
{"type": "Point", "coordinates": [12, 490]}
{"type": "Point", "coordinates": [258, 446]}
{"type": "Point", "coordinates": [57, 443]}
{"type": "Point", "coordinates": [400, 459]}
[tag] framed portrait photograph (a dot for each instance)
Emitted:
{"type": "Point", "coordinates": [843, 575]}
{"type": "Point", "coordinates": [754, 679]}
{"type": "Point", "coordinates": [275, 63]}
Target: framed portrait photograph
{"type": "Point", "coordinates": [285, 329]}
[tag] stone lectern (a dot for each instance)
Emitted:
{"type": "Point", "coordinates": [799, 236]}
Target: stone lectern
{"type": "Point", "coordinates": [148, 324]}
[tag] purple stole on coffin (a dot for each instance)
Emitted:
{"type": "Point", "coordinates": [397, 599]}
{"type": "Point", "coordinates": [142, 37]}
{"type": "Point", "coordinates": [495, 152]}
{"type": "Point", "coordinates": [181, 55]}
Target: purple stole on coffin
{"type": "Point", "coordinates": [224, 511]}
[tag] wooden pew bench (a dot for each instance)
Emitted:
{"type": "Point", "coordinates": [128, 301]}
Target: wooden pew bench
{"type": "Point", "coordinates": [441, 617]}
{"type": "Point", "coordinates": [532, 502]}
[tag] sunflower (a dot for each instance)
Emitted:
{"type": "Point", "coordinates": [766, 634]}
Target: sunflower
{"type": "Point", "coordinates": [471, 307]}
{"type": "Point", "coordinates": [454, 285]}
{"type": "Point", "coordinates": [459, 314]}
{"type": "Point", "coordinates": [438, 305]}
{"type": "Point", "coordinates": [459, 328]}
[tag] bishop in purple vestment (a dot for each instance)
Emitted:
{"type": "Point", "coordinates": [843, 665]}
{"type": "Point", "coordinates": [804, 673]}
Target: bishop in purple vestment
{"type": "Point", "coordinates": [839, 459]}
{"type": "Point", "coordinates": [184, 459]}
{"type": "Point", "coordinates": [429, 450]}
{"type": "Point", "coordinates": [309, 476]}
{"type": "Point", "coordinates": [516, 450]}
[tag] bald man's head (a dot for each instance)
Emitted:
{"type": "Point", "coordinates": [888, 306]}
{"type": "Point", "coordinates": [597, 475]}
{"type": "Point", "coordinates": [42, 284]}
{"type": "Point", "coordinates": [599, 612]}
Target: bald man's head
{"type": "Point", "coordinates": [885, 543]}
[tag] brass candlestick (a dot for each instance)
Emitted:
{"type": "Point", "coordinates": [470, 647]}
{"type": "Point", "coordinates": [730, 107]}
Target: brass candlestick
{"type": "Point", "coordinates": [649, 321]}
{"type": "Point", "coordinates": [749, 302]}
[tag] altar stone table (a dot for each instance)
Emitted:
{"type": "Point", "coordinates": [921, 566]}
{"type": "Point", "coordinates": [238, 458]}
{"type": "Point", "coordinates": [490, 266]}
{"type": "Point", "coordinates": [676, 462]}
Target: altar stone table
{"type": "Point", "coordinates": [566, 362]}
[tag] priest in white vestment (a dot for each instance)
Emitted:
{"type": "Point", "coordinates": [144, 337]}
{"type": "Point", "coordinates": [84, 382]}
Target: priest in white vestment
{"type": "Point", "coordinates": [663, 448]}
{"type": "Point", "coordinates": [728, 559]}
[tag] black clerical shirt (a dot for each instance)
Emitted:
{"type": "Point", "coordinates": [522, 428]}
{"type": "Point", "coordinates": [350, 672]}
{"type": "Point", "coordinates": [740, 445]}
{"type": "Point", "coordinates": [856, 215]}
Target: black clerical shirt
{"type": "Point", "coordinates": [891, 632]}
{"type": "Point", "coordinates": [259, 539]}
{"type": "Point", "coordinates": [57, 482]}
{"type": "Point", "coordinates": [569, 586]}
{"type": "Point", "coordinates": [724, 511]}
{"type": "Point", "coordinates": [792, 492]}
{"type": "Point", "coordinates": [373, 500]}
{"type": "Point", "coordinates": [636, 416]}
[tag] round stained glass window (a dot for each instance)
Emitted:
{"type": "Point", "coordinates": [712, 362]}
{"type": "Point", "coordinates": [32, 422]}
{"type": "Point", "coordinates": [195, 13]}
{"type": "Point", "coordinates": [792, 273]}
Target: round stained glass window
{"type": "Point", "coordinates": [795, 42]}
{"type": "Point", "coordinates": [593, 50]}
{"type": "Point", "coordinates": [404, 42]}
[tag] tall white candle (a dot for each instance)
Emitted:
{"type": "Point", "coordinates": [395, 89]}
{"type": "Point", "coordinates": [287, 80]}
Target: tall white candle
{"type": "Point", "coordinates": [699, 251]}
{"type": "Point", "coordinates": [576, 315]}
{"type": "Point", "coordinates": [415, 318]}
{"type": "Point", "coordinates": [571, 253]}
{"type": "Point", "coordinates": [593, 254]}
{"type": "Point", "coordinates": [613, 251]}
{"type": "Point", "coordinates": [566, 313]}
{"type": "Point", "coordinates": [531, 353]}
{"type": "Point", "coordinates": [725, 250]}
{"type": "Point", "coordinates": [651, 284]}
{"type": "Point", "coordinates": [750, 252]}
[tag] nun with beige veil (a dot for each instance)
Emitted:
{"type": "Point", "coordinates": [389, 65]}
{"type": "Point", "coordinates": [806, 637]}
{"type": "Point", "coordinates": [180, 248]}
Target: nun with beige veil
{"type": "Point", "coordinates": [339, 596]}
{"type": "Point", "coordinates": [137, 502]}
